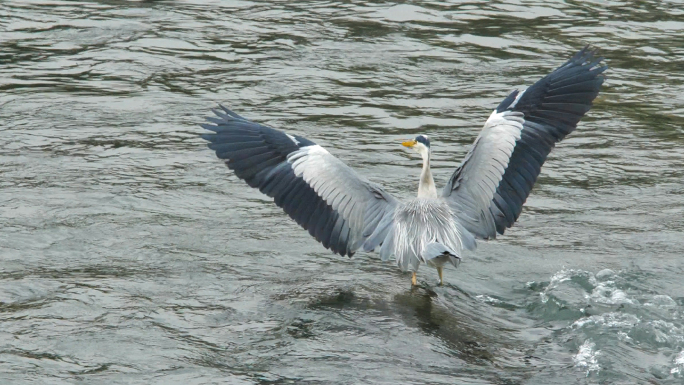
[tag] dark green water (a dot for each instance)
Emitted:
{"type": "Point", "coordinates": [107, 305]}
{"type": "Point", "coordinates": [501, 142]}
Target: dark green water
{"type": "Point", "coordinates": [129, 255]}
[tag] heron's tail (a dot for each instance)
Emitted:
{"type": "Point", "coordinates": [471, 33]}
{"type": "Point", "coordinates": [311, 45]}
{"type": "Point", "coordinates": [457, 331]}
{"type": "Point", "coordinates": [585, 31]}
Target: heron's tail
{"type": "Point", "coordinates": [437, 254]}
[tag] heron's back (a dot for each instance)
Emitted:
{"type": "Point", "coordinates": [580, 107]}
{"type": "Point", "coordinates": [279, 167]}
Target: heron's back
{"type": "Point", "coordinates": [419, 222]}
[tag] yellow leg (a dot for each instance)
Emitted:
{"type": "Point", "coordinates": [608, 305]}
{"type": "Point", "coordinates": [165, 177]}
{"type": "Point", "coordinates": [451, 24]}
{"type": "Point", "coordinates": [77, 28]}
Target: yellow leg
{"type": "Point", "coordinates": [439, 271]}
{"type": "Point", "coordinates": [414, 281]}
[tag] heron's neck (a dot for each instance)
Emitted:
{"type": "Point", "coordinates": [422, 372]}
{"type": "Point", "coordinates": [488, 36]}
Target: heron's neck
{"type": "Point", "coordinates": [426, 186]}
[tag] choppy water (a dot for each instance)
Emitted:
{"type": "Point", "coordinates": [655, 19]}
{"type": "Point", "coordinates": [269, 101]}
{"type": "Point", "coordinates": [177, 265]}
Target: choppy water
{"type": "Point", "coordinates": [128, 255]}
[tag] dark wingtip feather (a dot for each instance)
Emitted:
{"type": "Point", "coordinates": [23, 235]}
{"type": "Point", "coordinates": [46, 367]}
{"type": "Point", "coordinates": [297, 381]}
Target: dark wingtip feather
{"type": "Point", "coordinates": [209, 127]}
{"type": "Point", "coordinates": [552, 107]}
{"type": "Point", "coordinates": [231, 113]}
{"type": "Point", "coordinates": [257, 154]}
{"type": "Point", "coordinates": [589, 55]}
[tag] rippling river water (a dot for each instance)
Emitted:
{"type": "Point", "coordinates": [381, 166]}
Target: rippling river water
{"type": "Point", "coordinates": [129, 255]}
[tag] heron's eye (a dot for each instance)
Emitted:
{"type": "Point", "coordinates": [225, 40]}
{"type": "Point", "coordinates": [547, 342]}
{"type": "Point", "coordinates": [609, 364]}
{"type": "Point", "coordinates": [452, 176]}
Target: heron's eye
{"type": "Point", "coordinates": [423, 139]}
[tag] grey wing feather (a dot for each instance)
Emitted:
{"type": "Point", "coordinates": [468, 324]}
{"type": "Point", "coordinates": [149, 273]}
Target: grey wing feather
{"type": "Point", "coordinates": [472, 187]}
{"type": "Point", "coordinates": [488, 190]}
{"type": "Point", "coordinates": [339, 208]}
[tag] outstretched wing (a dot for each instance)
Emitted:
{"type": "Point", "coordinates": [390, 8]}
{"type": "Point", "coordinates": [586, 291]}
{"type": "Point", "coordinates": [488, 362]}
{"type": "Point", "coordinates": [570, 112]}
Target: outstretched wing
{"type": "Point", "coordinates": [487, 191]}
{"type": "Point", "coordinates": [341, 209]}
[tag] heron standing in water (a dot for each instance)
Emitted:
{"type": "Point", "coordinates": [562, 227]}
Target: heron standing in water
{"type": "Point", "coordinates": [484, 196]}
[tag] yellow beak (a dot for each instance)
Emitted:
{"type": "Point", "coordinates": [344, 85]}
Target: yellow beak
{"type": "Point", "coordinates": [409, 143]}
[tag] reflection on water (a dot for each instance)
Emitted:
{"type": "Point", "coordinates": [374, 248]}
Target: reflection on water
{"type": "Point", "coordinates": [450, 327]}
{"type": "Point", "coordinates": [128, 254]}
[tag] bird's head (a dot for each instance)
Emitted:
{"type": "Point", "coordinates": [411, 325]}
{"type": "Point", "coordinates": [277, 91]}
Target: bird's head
{"type": "Point", "coordinates": [421, 145]}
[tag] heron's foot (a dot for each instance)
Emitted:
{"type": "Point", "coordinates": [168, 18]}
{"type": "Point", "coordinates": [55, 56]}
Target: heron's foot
{"type": "Point", "coordinates": [440, 270]}
{"type": "Point", "coordinates": [414, 280]}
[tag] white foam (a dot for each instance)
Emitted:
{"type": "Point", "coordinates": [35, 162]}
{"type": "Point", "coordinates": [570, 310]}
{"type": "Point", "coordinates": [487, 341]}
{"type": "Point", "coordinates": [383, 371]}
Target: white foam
{"type": "Point", "coordinates": [610, 320]}
{"type": "Point", "coordinates": [586, 357]}
{"type": "Point", "coordinates": [665, 332]}
{"type": "Point", "coordinates": [680, 358]}
{"type": "Point", "coordinates": [567, 274]}
{"type": "Point", "coordinates": [605, 274]}
{"type": "Point", "coordinates": [562, 287]}
{"type": "Point", "coordinates": [664, 301]}
{"type": "Point", "coordinates": [679, 364]}
{"type": "Point", "coordinates": [487, 299]}
{"type": "Point", "coordinates": [544, 298]}
{"type": "Point", "coordinates": [608, 293]}
{"type": "Point", "coordinates": [624, 337]}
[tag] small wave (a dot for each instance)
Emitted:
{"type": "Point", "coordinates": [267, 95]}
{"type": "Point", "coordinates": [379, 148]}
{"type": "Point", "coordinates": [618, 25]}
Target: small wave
{"type": "Point", "coordinates": [606, 307]}
{"type": "Point", "coordinates": [582, 289]}
{"type": "Point", "coordinates": [662, 301]}
{"type": "Point", "coordinates": [607, 293]}
{"type": "Point", "coordinates": [609, 320]}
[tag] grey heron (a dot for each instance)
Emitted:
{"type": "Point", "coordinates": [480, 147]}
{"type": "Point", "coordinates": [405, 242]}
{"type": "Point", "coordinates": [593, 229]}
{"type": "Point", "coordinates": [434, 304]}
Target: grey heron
{"type": "Point", "coordinates": [485, 195]}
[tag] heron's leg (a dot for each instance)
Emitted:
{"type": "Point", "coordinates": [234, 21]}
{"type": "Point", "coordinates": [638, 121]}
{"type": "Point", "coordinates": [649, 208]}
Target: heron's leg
{"type": "Point", "coordinates": [414, 281]}
{"type": "Point", "coordinates": [439, 271]}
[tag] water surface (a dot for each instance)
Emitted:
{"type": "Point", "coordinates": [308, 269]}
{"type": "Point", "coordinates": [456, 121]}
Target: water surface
{"type": "Point", "coordinates": [130, 255]}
